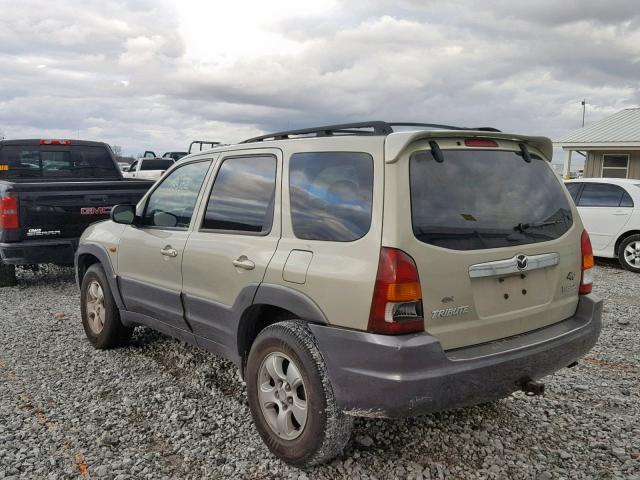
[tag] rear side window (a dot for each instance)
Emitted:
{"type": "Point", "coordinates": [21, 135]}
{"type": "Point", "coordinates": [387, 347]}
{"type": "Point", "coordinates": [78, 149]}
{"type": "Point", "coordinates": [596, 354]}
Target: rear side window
{"type": "Point", "coordinates": [51, 161]}
{"type": "Point", "coordinates": [480, 199]}
{"type": "Point", "coordinates": [626, 201]}
{"type": "Point", "coordinates": [159, 164]}
{"type": "Point", "coordinates": [601, 195]}
{"type": "Point", "coordinates": [331, 195]}
{"type": "Point", "coordinates": [242, 196]}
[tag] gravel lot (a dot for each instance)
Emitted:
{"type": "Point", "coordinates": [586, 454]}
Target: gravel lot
{"type": "Point", "coordinates": [162, 409]}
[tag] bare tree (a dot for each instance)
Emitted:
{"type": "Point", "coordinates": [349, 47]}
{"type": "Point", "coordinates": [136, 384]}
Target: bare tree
{"type": "Point", "coordinates": [117, 150]}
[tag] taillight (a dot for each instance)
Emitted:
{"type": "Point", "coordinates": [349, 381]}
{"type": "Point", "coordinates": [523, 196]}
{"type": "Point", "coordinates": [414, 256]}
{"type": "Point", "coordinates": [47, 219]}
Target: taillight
{"type": "Point", "coordinates": [396, 307]}
{"type": "Point", "coordinates": [480, 142]}
{"type": "Point", "coordinates": [586, 278]}
{"type": "Point", "coordinates": [8, 213]}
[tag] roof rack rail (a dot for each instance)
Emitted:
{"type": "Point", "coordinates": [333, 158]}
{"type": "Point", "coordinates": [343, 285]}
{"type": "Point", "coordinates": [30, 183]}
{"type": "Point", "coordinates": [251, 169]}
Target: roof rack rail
{"type": "Point", "coordinates": [377, 128]}
{"type": "Point", "coordinates": [359, 128]}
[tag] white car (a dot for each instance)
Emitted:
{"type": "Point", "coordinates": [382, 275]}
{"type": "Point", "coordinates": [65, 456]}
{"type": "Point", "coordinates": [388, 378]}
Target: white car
{"type": "Point", "coordinates": [610, 211]}
{"type": "Point", "coordinates": [149, 168]}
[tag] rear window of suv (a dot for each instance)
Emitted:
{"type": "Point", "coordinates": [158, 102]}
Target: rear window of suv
{"type": "Point", "coordinates": [50, 161]}
{"type": "Point", "coordinates": [480, 199]}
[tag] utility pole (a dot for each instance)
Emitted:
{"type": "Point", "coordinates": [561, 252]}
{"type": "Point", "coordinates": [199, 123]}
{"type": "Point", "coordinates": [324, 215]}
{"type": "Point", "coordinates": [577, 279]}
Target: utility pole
{"type": "Point", "coordinates": [584, 103]}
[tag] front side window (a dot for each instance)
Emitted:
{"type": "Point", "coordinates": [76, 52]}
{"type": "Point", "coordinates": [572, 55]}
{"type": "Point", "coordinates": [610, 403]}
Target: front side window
{"type": "Point", "coordinates": [615, 166]}
{"type": "Point", "coordinates": [480, 199]}
{"type": "Point", "coordinates": [601, 195]}
{"type": "Point", "coordinates": [243, 195]}
{"type": "Point", "coordinates": [331, 195]}
{"type": "Point", "coordinates": [172, 203]}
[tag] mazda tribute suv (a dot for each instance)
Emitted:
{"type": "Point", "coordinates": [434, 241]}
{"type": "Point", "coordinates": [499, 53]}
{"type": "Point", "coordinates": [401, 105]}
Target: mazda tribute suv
{"type": "Point", "coordinates": [368, 269]}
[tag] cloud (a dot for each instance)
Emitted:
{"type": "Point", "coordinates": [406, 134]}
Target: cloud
{"type": "Point", "coordinates": [146, 74]}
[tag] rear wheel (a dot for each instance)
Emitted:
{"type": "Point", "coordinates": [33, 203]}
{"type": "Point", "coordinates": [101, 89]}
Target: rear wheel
{"type": "Point", "coordinates": [7, 275]}
{"type": "Point", "coordinates": [629, 253]}
{"type": "Point", "coordinates": [291, 397]}
{"type": "Point", "coordinates": [100, 315]}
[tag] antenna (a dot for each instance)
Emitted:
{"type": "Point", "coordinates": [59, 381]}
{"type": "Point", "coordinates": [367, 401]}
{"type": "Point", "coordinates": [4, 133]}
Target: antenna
{"type": "Point", "coordinates": [584, 103]}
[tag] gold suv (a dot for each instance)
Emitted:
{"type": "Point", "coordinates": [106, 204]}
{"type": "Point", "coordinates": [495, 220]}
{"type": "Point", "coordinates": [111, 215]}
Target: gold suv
{"type": "Point", "coordinates": [368, 269]}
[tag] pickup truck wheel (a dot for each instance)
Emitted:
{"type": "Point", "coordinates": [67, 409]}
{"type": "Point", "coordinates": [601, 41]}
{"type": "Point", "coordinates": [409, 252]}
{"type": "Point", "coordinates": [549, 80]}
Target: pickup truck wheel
{"type": "Point", "coordinates": [291, 398]}
{"type": "Point", "coordinates": [100, 315]}
{"type": "Point", "coordinates": [7, 275]}
{"type": "Point", "coordinates": [629, 253]}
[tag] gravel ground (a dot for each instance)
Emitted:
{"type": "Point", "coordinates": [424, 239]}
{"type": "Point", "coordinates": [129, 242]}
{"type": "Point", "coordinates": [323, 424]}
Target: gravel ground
{"type": "Point", "coordinates": [162, 409]}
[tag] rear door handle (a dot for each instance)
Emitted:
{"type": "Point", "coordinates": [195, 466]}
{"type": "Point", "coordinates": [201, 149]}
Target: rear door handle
{"type": "Point", "coordinates": [169, 251]}
{"type": "Point", "coordinates": [243, 262]}
{"type": "Point", "coordinates": [620, 212]}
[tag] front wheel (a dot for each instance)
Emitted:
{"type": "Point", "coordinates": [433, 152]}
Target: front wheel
{"type": "Point", "coordinates": [100, 315]}
{"type": "Point", "coordinates": [629, 253]}
{"type": "Point", "coordinates": [291, 397]}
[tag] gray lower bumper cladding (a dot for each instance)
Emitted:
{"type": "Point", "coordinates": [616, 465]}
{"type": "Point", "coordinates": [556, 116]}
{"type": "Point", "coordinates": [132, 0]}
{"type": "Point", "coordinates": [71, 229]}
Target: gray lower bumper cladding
{"type": "Point", "coordinates": [395, 376]}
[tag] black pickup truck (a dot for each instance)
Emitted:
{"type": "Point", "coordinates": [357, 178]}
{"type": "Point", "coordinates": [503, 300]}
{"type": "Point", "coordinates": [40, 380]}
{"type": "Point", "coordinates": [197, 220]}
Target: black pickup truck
{"type": "Point", "coordinates": [50, 191]}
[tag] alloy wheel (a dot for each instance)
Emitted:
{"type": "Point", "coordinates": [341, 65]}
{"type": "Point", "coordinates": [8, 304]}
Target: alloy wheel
{"type": "Point", "coordinates": [95, 309]}
{"type": "Point", "coordinates": [282, 395]}
{"type": "Point", "coordinates": [632, 254]}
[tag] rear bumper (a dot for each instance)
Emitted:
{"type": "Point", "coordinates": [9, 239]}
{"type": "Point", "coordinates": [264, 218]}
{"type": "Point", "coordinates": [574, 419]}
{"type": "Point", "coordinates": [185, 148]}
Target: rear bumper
{"type": "Point", "coordinates": [386, 376]}
{"type": "Point", "coordinates": [33, 252]}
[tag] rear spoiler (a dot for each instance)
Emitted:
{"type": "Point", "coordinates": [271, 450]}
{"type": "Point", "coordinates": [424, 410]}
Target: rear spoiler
{"type": "Point", "coordinates": [396, 143]}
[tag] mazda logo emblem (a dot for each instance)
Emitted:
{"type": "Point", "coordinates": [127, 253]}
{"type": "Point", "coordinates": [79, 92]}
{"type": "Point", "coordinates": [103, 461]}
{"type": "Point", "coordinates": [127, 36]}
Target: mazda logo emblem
{"type": "Point", "coordinates": [522, 261]}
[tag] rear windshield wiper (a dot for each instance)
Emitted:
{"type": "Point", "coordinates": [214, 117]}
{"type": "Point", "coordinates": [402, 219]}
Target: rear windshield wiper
{"type": "Point", "coordinates": [521, 227]}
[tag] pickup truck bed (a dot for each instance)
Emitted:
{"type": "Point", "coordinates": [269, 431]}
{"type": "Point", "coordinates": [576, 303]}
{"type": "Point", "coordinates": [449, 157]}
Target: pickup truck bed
{"type": "Point", "coordinates": [41, 219]}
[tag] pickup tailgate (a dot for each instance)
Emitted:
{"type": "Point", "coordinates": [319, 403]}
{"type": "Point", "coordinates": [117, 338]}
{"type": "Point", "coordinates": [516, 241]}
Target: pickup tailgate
{"type": "Point", "coordinates": [50, 210]}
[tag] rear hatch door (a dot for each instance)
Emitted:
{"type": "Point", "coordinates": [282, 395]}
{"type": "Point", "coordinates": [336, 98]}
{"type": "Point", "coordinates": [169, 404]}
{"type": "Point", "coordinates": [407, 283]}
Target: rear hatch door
{"type": "Point", "coordinates": [495, 240]}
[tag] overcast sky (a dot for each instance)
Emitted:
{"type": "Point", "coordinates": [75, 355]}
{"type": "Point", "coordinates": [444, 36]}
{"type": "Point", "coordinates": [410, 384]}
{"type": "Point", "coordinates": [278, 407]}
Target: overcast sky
{"type": "Point", "coordinates": [155, 74]}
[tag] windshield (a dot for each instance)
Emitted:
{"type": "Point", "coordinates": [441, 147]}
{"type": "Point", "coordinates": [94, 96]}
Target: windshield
{"type": "Point", "coordinates": [479, 199]}
{"type": "Point", "coordinates": [37, 161]}
{"type": "Point", "coordinates": [156, 164]}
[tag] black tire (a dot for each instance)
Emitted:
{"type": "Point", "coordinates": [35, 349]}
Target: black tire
{"type": "Point", "coordinates": [7, 275]}
{"type": "Point", "coordinates": [629, 242]}
{"type": "Point", "coordinates": [113, 333]}
{"type": "Point", "coordinates": [327, 429]}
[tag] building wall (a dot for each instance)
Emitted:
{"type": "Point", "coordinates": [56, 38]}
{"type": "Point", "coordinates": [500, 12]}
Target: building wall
{"type": "Point", "coordinates": [593, 164]}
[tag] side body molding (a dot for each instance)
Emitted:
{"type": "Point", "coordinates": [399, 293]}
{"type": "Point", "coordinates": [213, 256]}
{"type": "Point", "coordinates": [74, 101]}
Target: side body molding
{"type": "Point", "coordinates": [290, 299]}
{"type": "Point", "coordinates": [102, 255]}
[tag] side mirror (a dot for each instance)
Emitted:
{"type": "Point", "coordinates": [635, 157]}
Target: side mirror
{"type": "Point", "coordinates": [165, 219]}
{"type": "Point", "coordinates": [123, 214]}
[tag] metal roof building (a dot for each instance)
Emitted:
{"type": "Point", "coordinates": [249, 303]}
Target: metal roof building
{"type": "Point", "coordinates": [611, 147]}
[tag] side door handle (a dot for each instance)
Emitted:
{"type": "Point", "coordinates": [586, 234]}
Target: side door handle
{"type": "Point", "coordinates": [243, 262]}
{"type": "Point", "coordinates": [169, 251]}
{"type": "Point", "coordinates": [620, 212]}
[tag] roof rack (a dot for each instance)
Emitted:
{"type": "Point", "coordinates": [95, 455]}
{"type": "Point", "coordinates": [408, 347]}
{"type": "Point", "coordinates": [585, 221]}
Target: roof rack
{"type": "Point", "coordinates": [202, 144]}
{"type": "Point", "coordinates": [377, 128]}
